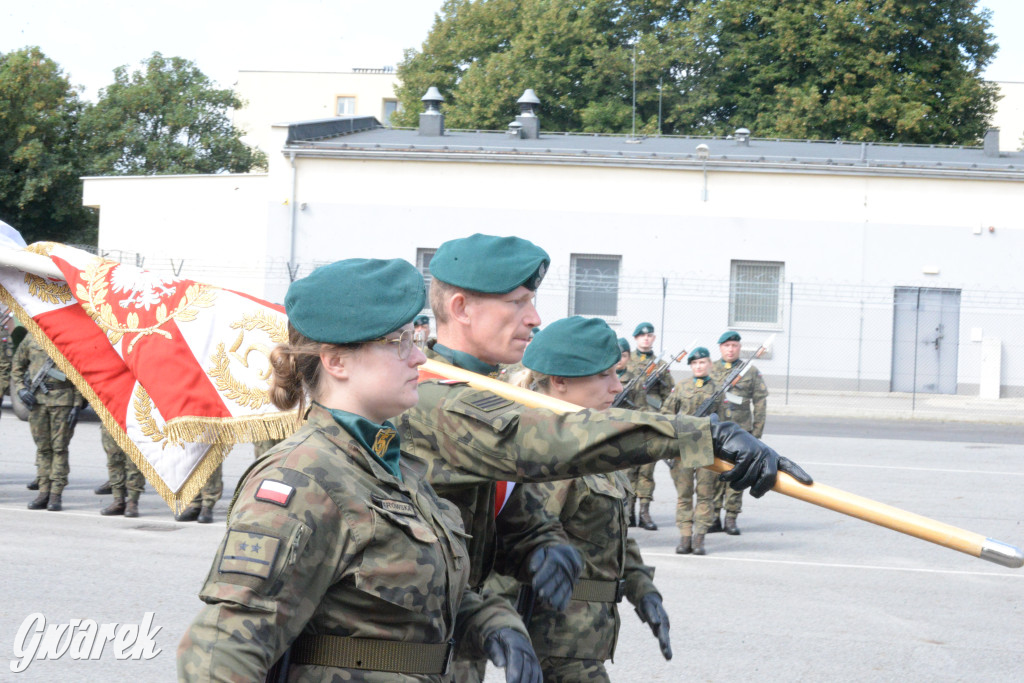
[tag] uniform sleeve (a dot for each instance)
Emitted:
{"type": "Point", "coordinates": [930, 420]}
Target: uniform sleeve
{"type": "Point", "coordinates": [758, 404]}
{"type": "Point", "coordinates": [268, 577]}
{"type": "Point", "coordinates": [639, 576]}
{"type": "Point", "coordinates": [529, 520]}
{"type": "Point", "coordinates": [479, 616]}
{"type": "Point", "coordinates": [469, 436]}
{"type": "Point", "coordinates": [19, 365]}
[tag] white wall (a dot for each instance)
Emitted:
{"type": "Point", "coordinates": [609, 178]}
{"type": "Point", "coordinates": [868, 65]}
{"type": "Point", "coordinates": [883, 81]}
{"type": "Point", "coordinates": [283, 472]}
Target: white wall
{"type": "Point", "coordinates": [1009, 116]}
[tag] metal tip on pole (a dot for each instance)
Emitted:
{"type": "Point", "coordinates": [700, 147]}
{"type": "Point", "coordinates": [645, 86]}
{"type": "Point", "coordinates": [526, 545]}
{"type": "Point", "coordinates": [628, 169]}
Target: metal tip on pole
{"type": "Point", "coordinates": [1002, 553]}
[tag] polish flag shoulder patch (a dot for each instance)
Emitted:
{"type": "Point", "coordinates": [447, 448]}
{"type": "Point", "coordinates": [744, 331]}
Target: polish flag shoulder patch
{"type": "Point", "coordinates": [276, 492]}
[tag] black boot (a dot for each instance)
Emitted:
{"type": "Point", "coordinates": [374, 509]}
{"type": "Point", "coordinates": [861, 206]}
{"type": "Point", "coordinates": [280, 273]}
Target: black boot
{"type": "Point", "coordinates": [33, 485]}
{"type": "Point", "coordinates": [645, 518]}
{"type": "Point", "coordinates": [103, 489]}
{"type": "Point", "coordinates": [55, 504]}
{"type": "Point", "coordinates": [115, 508]}
{"type": "Point", "coordinates": [632, 513]}
{"type": "Point", "coordinates": [698, 545]}
{"type": "Point", "coordinates": [189, 514]}
{"type": "Point", "coordinates": [131, 508]}
{"type": "Point", "coordinates": [730, 525]}
{"type": "Point", "coordinates": [205, 515]}
{"type": "Point", "coordinates": [684, 546]}
{"type": "Point", "coordinates": [716, 526]}
{"type": "Point", "coordinates": [40, 502]}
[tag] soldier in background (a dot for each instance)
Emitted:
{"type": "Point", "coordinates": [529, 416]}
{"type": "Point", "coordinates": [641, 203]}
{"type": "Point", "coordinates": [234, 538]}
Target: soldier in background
{"type": "Point", "coordinates": [124, 476]}
{"type": "Point", "coordinates": [693, 522]}
{"type": "Point", "coordinates": [641, 479]}
{"type": "Point", "coordinates": [6, 352]}
{"type": "Point", "coordinates": [201, 508]}
{"type": "Point", "coordinates": [54, 406]}
{"type": "Point", "coordinates": [421, 331]}
{"type": "Point", "coordinates": [746, 404]}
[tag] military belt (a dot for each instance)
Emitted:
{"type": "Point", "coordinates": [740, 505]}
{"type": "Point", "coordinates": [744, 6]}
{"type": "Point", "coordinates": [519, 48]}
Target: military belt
{"type": "Point", "coordinates": [592, 590]}
{"type": "Point", "coordinates": [392, 656]}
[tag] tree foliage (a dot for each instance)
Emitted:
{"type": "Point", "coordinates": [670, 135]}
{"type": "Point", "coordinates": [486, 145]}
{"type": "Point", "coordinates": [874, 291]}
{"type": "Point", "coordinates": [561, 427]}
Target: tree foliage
{"type": "Point", "coordinates": [882, 70]}
{"type": "Point", "coordinates": [40, 150]}
{"type": "Point", "coordinates": [166, 118]}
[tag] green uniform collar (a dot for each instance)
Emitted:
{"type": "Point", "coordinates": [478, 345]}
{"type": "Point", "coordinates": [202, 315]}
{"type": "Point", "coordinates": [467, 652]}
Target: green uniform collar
{"type": "Point", "coordinates": [700, 381]}
{"type": "Point", "coordinates": [381, 440]}
{"type": "Point", "coordinates": [645, 355]}
{"type": "Point", "coordinates": [461, 359]}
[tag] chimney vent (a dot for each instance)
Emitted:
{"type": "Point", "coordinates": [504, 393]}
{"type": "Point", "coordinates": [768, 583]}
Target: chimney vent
{"type": "Point", "coordinates": [742, 137]}
{"type": "Point", "coordinates": [992, 142]}
{"type": "Point", "coordinates": [527, 119]}
{"type": "Point", "coordinates": [432, 120]}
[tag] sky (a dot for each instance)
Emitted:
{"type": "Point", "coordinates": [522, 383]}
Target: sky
{"type": "Point", "coordinates": [90, 39]}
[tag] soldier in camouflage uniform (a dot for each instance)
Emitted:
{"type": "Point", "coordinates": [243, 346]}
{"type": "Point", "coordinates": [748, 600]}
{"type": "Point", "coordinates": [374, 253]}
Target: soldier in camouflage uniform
{"type": "Point", "coordinates": [6, 351]}
{"type": "Point", "coordinates": [124, 475]}
{"type": "Point", "coordinates": [338, 552]}
{"type": "Point", "coordinates": [421, 331]}
{"type": "Point", "coordinates": [689, 394]}
{"type": "Point", "coordinates": [201, 508]}
{"type": "Point", "coordinates": [641, 478]}
{"type": "Point", "coordinates": [746, 404]}
{"type": "Point", "coordinates": [573, 360]}
{"type": "Point", "coordinates": [52, 420]}
{"type": "Point", "coordinates": [481, 295]}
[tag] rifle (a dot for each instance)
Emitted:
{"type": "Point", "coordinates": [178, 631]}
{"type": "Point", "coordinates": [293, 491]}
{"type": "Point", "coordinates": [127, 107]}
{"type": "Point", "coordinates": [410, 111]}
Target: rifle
{"type": "Point", "coordinates": [28, 393]}
{"type": "Point", "coordinates": [623, 396]}
{"type": "Point", "coordinates": [663, 367]}
{"type": "Point", "coordinates": [738, 370]}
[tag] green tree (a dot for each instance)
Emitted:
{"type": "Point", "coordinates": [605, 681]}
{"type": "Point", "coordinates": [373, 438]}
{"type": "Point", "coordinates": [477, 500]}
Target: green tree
{"type": "Point", "coordinates": [41, 156]}
{"type": "Point", "coordinates": [166, 118]}
{"type": "Point", "coordinates": [884, 70]}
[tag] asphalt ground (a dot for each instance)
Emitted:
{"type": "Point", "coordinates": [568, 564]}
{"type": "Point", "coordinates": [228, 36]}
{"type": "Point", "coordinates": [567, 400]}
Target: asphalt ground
{"type": "Point", "coordinates": [803, 594]}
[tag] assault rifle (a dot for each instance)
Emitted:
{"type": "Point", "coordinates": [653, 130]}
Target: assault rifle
{"type": "Point", "coordinates": [647, 377]}
{"type": "Point", "coordinates": [738, 370]}
{"type": "Point", "coordinates": [663, 367]}
{"type": "Point", "coordinates": [623, 396]}
{"type": "Point", "coordinates": [28, 393]}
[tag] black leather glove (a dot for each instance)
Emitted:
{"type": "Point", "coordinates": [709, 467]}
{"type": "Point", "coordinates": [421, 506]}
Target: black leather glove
{"type": "Point", "coordinates": [554, 570]}
{"type": "Point", "coordinates": [510, 649]}
{"type": "Point", "coordinates": [652, 612]}
{"type": "Point", "coordinates": [755, 463]}
{"type": "Point", "coordinates": [27, 398]}
{"type": "Point", "coordinates": [73, 416]}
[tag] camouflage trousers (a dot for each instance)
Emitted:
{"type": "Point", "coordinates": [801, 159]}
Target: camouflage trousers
{"type": "Point", "coordinates": [691, 520]}
{"type": "Point", "coordinates": [726, 497]}
{"type": "Point", "coordinates": [563, 670]}
{"type": "Point", "coordinates": [123, 473]}
{"type": "Point", "coordinates": [641, 481]}
{"type": "Point", "coordinates": [52, 433]}
{"type": "Point", "coordinates": [211, 491]}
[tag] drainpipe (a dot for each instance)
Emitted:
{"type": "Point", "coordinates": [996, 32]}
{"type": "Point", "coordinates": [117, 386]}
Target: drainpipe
{"type": "Point", "coordinates": [292, 266]}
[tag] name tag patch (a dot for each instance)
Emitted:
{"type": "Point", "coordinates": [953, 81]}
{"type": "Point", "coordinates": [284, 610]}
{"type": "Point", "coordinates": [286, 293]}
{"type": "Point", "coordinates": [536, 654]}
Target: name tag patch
{"type": "Point", "coordinates": [398, 507]}
{"type": "Point", "coordinates": [249, 553]}
{"type": "Point", "coordinates": [276, 492]}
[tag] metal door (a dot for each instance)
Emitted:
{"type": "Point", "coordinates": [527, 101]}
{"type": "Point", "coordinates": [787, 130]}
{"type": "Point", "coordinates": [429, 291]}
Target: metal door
{"type": "Point", "coordinates": [925, 340]}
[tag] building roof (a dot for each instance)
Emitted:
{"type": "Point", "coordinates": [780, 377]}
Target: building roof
{"type": "Point", "coordinates": [364, 137]}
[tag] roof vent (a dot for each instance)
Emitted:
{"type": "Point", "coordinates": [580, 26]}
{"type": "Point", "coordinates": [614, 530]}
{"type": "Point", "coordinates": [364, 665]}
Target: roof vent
{"type": "Point", "coordinates": [527, 119]}
{"type": "Point", "coordinates": [991, 144]}
{"type": "Point", "coordinates": [432, 120]}
{"type": "Point", "coordinates": [742, 137]}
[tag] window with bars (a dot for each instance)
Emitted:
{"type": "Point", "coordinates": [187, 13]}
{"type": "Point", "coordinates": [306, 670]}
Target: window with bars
{"type": "Point", "coordinates": [423, 257]}
{"type": "Point", "coordinates": [755, 289]}
{"type": "Point", "coordinates": [594, 285]}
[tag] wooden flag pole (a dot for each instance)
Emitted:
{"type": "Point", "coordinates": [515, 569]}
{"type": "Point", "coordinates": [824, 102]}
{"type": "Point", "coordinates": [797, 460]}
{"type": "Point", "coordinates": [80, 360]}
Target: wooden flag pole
{"type": "Point", "coordinates": [819, 494]}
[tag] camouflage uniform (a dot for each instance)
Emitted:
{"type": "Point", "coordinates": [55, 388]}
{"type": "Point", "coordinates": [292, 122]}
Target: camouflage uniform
{"type": "Point", "coordinates": [641, 479]}
{"type": "Point", "coordinates": [261, 447]}
{"type": "Point", "coordinates": [686, 398]}
{"type": "Point", "coordinates": [749, 414]}
{"type": "Point", "coordinates": [573, 644]}
{"type": "Point", "coordinates": [351, 551]}
{"type": "Point", "coordinates": [6, 351]}
{"type": "Point", "coordinates": [49, 419]}
{"type": "Point", "coordinates": [211, 492]}
{"type": "Point", "coordinates": [124, 475]}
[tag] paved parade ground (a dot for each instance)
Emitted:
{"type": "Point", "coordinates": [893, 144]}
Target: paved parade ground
{"type": "Point", "coordinates": [803, 594]}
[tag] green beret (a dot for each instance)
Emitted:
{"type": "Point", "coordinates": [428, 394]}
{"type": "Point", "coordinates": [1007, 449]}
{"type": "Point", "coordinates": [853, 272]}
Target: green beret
{"type": "Point", "coordinates": [533, 332]}
{"type": "Point", "coordinates": [643, 328]}
{"type": "Point", "coordinates": [573, 347]}
{"type": "Point", "coordinates": [623, 345]}
{"type": "Point", "coordinates": [490, 265]}
{"type": "Point", "coordinates": [729, 336]}
{"type": "Point", "coordinates": [421, 320]}
{"type": "Point", "coordinates": [699, 352]}
{"type": "Point", "coordinates": [355, 300]}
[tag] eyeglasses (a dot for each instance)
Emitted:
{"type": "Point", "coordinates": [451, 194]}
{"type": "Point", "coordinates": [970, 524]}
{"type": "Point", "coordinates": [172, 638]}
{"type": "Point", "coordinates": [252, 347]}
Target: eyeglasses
{"type": "Point", "coordinates": [404, 342]}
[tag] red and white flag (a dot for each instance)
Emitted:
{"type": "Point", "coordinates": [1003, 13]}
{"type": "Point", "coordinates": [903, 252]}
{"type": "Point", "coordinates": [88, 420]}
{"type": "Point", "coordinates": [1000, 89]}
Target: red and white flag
{"type": "Point", "coordinates": [177, 370]}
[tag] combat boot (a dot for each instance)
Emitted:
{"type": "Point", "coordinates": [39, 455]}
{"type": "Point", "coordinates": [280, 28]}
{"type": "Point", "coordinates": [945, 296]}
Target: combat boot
{"type": "Point", "coordinates": [115, 508]}
{"type": "Point", "coordinates": [632, 513]}
{"type": "Point", "coordinates": [684, 546]}
{"type": "Point", "coordinates": [40, 502]}
{"type": "Point", "coordinates": [189, 514]}
{"type": "Point", "coordinates": [716, 526]}
{"type": "Point", "coordinates": [698, 545]}
{"type": "Point", "coordinates": [131, 508]}
{"type": "Point", "coordinates": [103, 489]}
{"type": "Point", "coordinates": [730, 525]}
{"type": "Point", "coordinates": [205, 515]}
{"type": "Point", "coordinates": [645, 518]}
{"type": "Point", "coordinates": [55, 504]}
{"type": "Point", "coordinates": [33, 485]}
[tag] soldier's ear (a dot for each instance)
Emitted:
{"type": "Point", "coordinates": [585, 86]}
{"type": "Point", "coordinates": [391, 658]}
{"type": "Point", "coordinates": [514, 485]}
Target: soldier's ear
{"type": "Point", "coordinates": [559, 385]}
{"type": "Point", "coordinates": [335, 362]}
{"type": "Point", "coordinates": [457, 305]}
